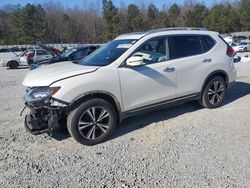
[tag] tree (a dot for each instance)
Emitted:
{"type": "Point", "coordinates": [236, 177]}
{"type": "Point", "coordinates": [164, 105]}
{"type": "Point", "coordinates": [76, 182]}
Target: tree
{"type": "Point", "coordinates": [245, 15]}
{"type": "Point", "coordinates": [5, 34]}
{"type": "Point", "coordinates": [195, 17]}
{"type": "Point", "coordinates": [111, 20]}
{"type": "Point", "coordinates": [223, 19]}
{"type": "Point", "coordinates": [16, 25]}
{"type": "Point", "coordinates": [162, 20]}
{"type": "Point", "coordinates": [174, 15]}
{"type": "Point", "coordinates": [52, 23]}
{"type": "Point", "coordinates": [32, 23]}
{"type": "Point", "coordinates": [134, 18]}
{"type": "Point", "coordinates": [152, 15]}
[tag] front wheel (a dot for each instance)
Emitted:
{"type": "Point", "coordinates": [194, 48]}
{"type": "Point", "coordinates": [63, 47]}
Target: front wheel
{"type": "Point", "coordinates": [92, 122]}
{"type": "Point", "coordinates": [214, 93]}
{"type": "Point", "coordinates": [13, 65]}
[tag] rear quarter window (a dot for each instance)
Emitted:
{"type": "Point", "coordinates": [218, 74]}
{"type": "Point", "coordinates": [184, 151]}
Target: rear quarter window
{"type": "Point", "coordinates": [207, 43]}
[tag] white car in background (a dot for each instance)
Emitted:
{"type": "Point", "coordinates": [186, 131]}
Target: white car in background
{"type": "Point", "coordinates": [241, 47]}
{"type": "Point", "coordinates": [26, 58]}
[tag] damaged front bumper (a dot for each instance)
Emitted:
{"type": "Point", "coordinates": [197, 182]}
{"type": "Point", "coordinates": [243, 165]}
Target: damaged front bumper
{"type": "Point", "coordinates": [46, 115]}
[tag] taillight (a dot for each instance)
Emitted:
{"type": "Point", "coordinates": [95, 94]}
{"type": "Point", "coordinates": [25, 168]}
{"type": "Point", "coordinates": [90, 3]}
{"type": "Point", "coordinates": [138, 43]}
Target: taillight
{"type": "Point", "coordinates": [230, 51]}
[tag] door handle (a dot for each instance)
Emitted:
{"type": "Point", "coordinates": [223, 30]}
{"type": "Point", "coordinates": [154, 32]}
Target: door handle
{"type": "Point", "coordinates": [207, 60]}
{"type": "Point", "coordinates": [169, 69]}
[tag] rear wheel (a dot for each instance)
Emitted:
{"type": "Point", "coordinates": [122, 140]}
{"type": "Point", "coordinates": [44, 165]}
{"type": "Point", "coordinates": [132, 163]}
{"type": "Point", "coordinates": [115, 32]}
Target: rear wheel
{"type": "Point", "coordinates": [13, 65]}
{"type": "Point", "coordinates": [214, 93]}
{"type": "Point", "coordinates": [92, 122]}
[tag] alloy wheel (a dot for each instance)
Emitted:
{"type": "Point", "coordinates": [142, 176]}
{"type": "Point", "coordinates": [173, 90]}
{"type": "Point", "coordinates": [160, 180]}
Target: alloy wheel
{"type": "Point", "coordinates": [94, 122]}
{"type": "Point", "coordinates": [216, 92]}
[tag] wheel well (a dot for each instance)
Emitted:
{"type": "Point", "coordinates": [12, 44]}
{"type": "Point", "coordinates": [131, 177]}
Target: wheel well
{"type": "Point", "coordinates": [107, 97]}
{"type": "Point", "coordinates": [223, 74]}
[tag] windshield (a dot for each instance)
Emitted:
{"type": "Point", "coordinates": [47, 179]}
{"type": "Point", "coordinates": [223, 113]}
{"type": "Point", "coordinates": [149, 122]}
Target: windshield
{"type": "Point", "coordinates": [108, 53]}
{"type": "Point", "coordinates": [68, 52]}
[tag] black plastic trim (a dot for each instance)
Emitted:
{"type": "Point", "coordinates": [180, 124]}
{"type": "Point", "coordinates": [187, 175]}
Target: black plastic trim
{"type": "Point", "coordinates": [161, 105]}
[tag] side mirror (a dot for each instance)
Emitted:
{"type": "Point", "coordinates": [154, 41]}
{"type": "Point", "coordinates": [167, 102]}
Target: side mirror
{"type": "Point", "coordinates": [237, 59]}
{"type": "Point", "coordinates": [135, 61]}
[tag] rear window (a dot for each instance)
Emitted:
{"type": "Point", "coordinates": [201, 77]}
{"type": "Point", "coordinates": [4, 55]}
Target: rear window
{"type": "Point", "coordinates": [184, 46]}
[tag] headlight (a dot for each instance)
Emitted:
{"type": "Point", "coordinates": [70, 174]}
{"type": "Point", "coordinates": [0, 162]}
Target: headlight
{"type": "Point", "coordinates": [39, 93]}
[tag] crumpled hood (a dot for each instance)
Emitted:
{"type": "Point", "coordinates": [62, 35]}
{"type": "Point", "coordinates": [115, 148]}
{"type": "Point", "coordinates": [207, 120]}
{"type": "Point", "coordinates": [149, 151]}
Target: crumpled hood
{"type": "Point", "coordinates": [46, 75]}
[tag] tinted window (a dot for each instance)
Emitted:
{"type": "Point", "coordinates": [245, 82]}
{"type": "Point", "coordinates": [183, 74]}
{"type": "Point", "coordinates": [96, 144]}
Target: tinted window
{"type": "Point", "coordinates": [207, 43]}
{"type": "Point", "coordinates": [41, 52]}
{"type": "Point", "coordinates": [153, 50]}
{"type": "Point", "coordinates": [243, 43]}
{"type": "Point", "coordinates": [184, 46]}
{"type": "Point", "coordinates": [91, 49]}
{"type": "Point", "coordinates": [80, 54]}
{"type": "Point", "coordinates": [68, 52]}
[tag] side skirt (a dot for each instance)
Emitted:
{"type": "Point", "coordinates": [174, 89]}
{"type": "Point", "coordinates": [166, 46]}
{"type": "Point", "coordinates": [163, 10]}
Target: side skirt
{"type": "Point", "coordinates": [161, 105]}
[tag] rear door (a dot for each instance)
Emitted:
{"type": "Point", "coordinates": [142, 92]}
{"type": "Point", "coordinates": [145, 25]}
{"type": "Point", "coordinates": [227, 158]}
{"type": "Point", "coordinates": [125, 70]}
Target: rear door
{"type": "Point", "coordinates": [192, 60]}
{"type": "Point", "coordinates": [42, 55]}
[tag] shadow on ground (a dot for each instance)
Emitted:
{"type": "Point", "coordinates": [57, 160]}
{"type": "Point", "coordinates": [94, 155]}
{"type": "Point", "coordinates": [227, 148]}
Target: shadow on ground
{"type": "Point", "coordinates": [238, 90]}
{"type": "Point", "coordinates": [20, 67]}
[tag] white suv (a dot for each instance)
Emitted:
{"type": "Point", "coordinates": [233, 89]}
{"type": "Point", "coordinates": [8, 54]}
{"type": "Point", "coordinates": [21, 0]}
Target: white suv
{"type": "Point", "coordinates": [134, 73]}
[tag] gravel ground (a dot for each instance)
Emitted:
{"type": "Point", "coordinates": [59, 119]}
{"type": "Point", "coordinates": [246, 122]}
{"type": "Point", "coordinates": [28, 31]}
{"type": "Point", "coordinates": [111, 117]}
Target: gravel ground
{"type": "Point", "coordinates": [183, 146]}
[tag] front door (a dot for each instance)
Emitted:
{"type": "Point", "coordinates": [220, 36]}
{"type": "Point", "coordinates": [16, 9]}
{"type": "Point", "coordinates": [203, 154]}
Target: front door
{"type": "Point", "coordinates": [151, 83]}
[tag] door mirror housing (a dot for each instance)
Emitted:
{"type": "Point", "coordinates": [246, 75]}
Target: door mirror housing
{"type": "Point", "coordinates": [135, 61]}
{"type": "Point", "coordinates": [236, 59]}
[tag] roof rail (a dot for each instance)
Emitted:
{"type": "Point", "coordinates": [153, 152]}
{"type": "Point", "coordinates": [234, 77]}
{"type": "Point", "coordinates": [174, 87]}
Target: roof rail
{"type": "Point", "coordinates": [176, 29]}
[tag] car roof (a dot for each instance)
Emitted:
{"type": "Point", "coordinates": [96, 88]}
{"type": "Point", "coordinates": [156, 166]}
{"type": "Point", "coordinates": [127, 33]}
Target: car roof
{"type": "Point", "coordinates": [86, 46]}
{"type": "Point", "coordinates": [171, 30]}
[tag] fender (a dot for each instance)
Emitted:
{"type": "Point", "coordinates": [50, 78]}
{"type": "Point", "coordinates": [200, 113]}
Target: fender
{"type": "Point", "coordinates": [217, 72]}
{"type": "Point", "coordinates": [100, 94]}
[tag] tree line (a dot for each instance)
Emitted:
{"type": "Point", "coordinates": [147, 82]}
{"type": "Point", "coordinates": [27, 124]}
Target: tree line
{"type": "Point", "coordinates": [52, 23]}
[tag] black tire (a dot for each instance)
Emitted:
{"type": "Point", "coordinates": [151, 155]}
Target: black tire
{"type": "Point", "coordinates": [245, 49]}
{"type": "Point", "coordinates": [82, 113]}
{"type": "Point", "coordinates": [13, 65]}
{"type": "Point", "coordinates": [211, 97]}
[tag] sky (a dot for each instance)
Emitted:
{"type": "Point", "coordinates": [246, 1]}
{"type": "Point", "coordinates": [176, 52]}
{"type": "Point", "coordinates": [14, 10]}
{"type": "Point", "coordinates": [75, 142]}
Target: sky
{"type": "Point", "coordinates": [84, 4]}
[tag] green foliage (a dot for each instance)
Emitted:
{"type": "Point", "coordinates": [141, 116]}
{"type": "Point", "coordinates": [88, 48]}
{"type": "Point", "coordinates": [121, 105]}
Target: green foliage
{"type": "Point", "coordinates": [162, 20]}
{"type": "Point", "coordinates": [152, 15]}
{"type": "Point", "coordinates": [32, 23]}
{"type": "Point", "coordinates": [52, 23]}
{"type": "Point", "coordinates": [223, 19]}
{"type": "Point", "coordinates": [194, 18]}
{"type": "Point", "coordinates": [174, 15]}
{"type": "Point", "coordinates": [135, 20]}
{"type": "Point", "coordinates": [111, 20]}
{"type": "Point", "coordinates": [245, 15]}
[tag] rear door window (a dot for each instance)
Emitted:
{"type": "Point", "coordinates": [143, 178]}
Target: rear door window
{"type": "Point", "coordinates": [41, 52]}
{"type": "Point", "coordinates": [184, 46]}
